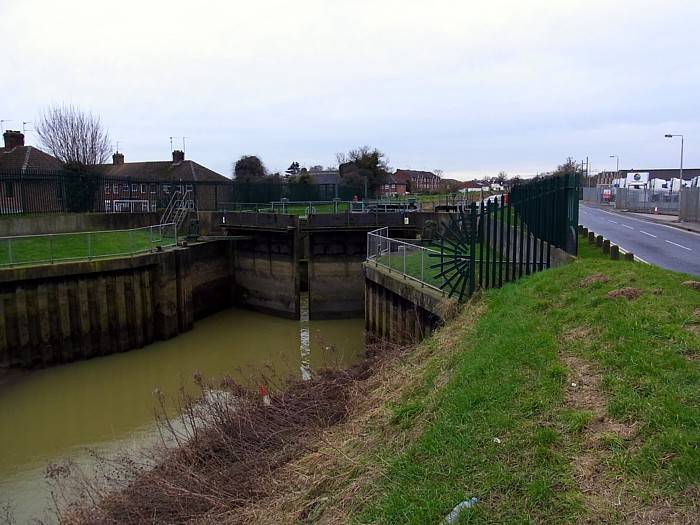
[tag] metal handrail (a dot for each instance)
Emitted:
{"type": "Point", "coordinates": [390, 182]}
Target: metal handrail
{"type": "Point", "coordinates": [165, 218]}
{"type": "Point", "coordinates": [380, 237]}
{"type": "Point", "coordinates": [89, 236]}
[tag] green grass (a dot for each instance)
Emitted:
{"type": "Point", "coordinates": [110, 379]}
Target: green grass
{"type": "Point", "coordinates": [509, 383]}
{"type": "Point", "coordinates": [74, 246]}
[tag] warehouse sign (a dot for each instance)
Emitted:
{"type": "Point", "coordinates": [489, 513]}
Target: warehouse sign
{"type": "Point", "coordinates": [637, 178]}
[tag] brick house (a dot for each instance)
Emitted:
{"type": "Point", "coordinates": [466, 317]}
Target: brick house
{"type": "Point", "coordinates": [20, 181]}
{"type": "Point", "coordinates": [392, 187]}
{"type": "Point", "coordinates": [144, 186]}
{"type": "Point", "coordinates": [418, 181]}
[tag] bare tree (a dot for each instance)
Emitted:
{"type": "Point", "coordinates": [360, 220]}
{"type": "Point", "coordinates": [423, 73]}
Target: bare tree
{"type": "Point", "coordinates": [74, 136]}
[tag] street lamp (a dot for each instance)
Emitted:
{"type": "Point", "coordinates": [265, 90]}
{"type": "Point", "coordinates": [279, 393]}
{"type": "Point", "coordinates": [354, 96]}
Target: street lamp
{"type": "Point", "coordinates": [670, 136]}
{"type": "Point", "coordinates": [617, 167]}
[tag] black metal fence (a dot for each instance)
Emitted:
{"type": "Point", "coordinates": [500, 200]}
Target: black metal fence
{"type": "Point", "coordinates": [247, 192]}
{"type": "Point", "coordinates": [506, 237]}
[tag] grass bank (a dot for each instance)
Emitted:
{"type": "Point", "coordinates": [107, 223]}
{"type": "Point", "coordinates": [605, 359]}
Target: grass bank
{"type": "Point", "coordinates": [556, 399]}
{"type": "Point", "coordinates": [570, 396]}
{"type": "Point", "coordinates": [36, 249]}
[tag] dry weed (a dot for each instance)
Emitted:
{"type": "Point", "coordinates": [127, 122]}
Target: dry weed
{"type": "Point", "coordinates": [328, 483]}
{"type": "Point", "coordinates": [695, 285]}
{"type": "Point", "coordinates": [591, 279]}
{"type": "Point", "coordinates": [628, 293]}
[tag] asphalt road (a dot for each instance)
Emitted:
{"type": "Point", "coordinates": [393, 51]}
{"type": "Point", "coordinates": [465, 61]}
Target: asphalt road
{"type": "Point", "coordinates": [653, 243]}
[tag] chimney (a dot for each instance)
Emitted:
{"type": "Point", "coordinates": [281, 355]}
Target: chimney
{"type": "Point", "coordinates": [13, 139]}
{"type": "Point", "coordinates": [178, 156]}
{"type": "Point", "coordinates": [118, 158]}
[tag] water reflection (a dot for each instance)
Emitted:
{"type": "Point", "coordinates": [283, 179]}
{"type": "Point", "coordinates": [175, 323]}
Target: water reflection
{"type": "Point", "coordinates": [109, 401]}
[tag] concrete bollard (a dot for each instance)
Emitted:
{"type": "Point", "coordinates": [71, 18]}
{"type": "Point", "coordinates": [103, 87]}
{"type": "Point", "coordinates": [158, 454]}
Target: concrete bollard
{"type": "Point", "coordinates": [599, 241]}
{"type": "Point", "coordinates": [584, 231]}
{"type": "Point", "coordinates": [614, 252]}
{"type": "Point", "coordinates": [591, 237]}
{"type": "Point", "coordinates": [606, 246]}
{"type": "Point", "coordinates": [629, 256]}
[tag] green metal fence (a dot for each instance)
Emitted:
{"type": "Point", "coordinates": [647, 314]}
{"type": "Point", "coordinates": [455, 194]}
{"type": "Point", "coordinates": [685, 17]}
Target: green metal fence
{"type": "Point", "coordinates": [51, 248]}
{"type": "Point", "coordinates": [254, 192]}
{"type": "Point", "coordinates": [498, 240]}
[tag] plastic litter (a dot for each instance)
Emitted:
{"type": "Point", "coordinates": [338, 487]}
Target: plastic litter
{"type": "Point", "coordinates": [453, 517]}
{"type": "Point", "coordinates": [497, 440]}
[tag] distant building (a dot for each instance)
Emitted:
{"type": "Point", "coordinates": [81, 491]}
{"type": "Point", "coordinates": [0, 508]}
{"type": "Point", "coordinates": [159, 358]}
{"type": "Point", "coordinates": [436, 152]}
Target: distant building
{"type": "Point", "coordinates": [151, 183]}
{"type": "Point", "coordinates": [613, 177]}
{"type": "Point", "coordinates": [17, 157]}
{"type": "Point", "coordinates": [418, 181]}
{"type": "Point", "coordinates": [324, 176]}
{"type": "Point", "coordinates": [17, 188]}
{"type": "Point", "coordinates": [392, 187]}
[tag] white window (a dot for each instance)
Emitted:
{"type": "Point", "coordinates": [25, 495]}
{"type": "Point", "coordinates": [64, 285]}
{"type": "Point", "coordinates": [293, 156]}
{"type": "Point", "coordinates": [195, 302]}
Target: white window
{"type": "Point", "coordinates": [134, 187]}
{"type": "Point", "coordinates": [115, 189]}
{"type": "Point", "coordinates": [108, 206]}
{"type": "Point", "coordinates": [166, 188]}
{"type": "Point", "coordinates": [154, 188]}
{"type": "Point", "coordinates": [106, 188]}
{"type": "Point", "coordinates": [143, 188]}
{"type": "Point", "coordinates": [189, 187]}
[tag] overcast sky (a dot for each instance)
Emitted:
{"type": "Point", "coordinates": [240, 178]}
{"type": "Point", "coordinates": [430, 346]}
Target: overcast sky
{"type": "Point", "coordinates": [468, 87]}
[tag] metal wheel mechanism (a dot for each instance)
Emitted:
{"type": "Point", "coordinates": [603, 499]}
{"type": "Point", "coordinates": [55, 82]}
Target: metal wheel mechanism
{"type": "Point", "coordinates": [457, 242]}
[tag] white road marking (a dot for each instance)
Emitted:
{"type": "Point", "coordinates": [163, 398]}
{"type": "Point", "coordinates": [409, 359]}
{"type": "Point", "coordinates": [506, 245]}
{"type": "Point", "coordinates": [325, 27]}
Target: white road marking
{"type": "Point", "coordinates": [614, 222]}
{"type": "Point", "coordinates": [636, 257]}
{"type": "Point", "coordinates": [628, 227]}
{"type": "Point", "coordinates": [680, 246]}
{"type": "Point", "coordinates": [646, 233]}
{"type": "Point", "coordinates": [655, 224]}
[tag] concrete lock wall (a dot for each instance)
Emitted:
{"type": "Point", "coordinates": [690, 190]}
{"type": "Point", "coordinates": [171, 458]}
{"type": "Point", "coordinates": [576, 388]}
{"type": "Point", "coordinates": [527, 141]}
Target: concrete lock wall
{"type": "Point", "coordinates": [265, 270]}
{"type": "Point", "coordinates": [336, 283]}
{"type": "Point", "coordinates": [59, 313]}
{"type": "Point", "coordinates": [74, 222]}
{"type": "Point", "coordinates": [401, 310]}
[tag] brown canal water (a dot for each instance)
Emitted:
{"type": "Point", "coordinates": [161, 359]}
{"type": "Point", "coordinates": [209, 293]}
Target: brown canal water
{"type": "Point", "coordinates": [107, 404]}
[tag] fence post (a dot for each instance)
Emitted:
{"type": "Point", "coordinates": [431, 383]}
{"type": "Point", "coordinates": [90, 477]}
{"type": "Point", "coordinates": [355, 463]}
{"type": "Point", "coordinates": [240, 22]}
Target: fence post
{"type": "Point", "coordinates": [150, 236]}
{"type": "Point", "coordinates": [422, 254]}
{"type": "Point", "coordinates": [404, 260]}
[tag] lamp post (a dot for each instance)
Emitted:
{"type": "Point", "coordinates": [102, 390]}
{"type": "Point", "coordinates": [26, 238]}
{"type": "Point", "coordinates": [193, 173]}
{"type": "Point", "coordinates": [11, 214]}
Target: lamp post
{"type": "Point", "coordinates": [617, 164]}
{"type": "Point", "coordinates": [670, 136]}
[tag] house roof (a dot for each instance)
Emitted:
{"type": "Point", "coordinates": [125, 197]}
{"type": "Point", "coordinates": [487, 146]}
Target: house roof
{"type": "Point", "coordinates": [325, 177]}
{"type": "Point", "coordinates": [27, 158]}
{"type": "Point", "coordinates": [414, 174]}
{"type": "Point", "coordinates": [392, 179]}
{"type": "Point", "coordinates": [186, 170]}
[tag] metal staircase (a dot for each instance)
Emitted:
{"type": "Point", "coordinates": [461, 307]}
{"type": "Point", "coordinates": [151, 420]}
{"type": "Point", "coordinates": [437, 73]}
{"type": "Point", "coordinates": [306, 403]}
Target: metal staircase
{"type": "Point", "coordinates": [179, 207]}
